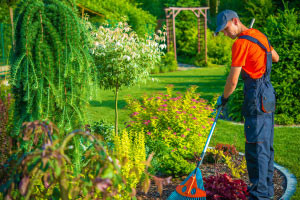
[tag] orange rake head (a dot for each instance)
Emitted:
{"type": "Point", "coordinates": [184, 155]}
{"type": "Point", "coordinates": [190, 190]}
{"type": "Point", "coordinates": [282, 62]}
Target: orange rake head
{"type": "Point", "coordinates": [191, 188]}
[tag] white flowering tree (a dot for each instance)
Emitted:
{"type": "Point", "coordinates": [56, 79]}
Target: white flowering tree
{"type": "Point", "coordinates": [123, 59]}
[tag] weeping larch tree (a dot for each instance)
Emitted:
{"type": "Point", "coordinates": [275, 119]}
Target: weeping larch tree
{"type": "Point", "coordinates": [52, 71]}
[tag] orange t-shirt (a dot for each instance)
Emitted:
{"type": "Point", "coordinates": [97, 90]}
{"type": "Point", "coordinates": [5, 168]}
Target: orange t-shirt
{"type": "Point", "coordinates": [250, 56]}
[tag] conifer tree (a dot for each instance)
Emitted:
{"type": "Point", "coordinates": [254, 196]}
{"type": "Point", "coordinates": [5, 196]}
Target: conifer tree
{"type": "Point", "coordinates": [51, 67]}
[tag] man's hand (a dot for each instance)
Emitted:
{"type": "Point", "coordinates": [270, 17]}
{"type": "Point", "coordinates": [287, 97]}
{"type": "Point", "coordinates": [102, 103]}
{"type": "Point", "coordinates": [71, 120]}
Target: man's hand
{"type": "Point", "coordinates": [221, 101]}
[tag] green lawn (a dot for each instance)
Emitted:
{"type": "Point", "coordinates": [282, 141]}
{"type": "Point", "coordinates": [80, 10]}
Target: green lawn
{"type": "Point", "coordinates": [210, 82]}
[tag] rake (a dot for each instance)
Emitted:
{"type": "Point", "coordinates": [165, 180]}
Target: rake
{"type": "Point", "coordinates": [192, 187]}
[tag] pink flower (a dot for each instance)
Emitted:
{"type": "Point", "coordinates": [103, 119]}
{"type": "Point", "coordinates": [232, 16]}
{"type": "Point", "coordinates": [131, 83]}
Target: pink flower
{"type": "Point", "coordinates": [184, 147]}
{"type": "Point", "coordinates": [158, 97]}
{"type": "Point", "coordinates": [193, 107]}
{"type": "Point", "coordinates": [183, 135]}
{"type": "Point", "coordinates": [177, 117]}
{"type": "Point", "coordinates": [165, 100]}
{"type": "Point", "coordinates": [191, 115]}
{"type": "Point", "coordinates": [173, 150]}
{"type": "Point", "coordinates": [174, 133]}
{"type": "Point", "coordinates": [199, 135]}
{"type": "Point", "coordinates": [178, 112]}
{"type": "Point", "coordinates": [193, 100]}
{"type": "Point", "coordinates": [203, 127]}
{"type": "Point", "coordinates": [184, 122]}
{"type": "Point", "coordinates": [169, 128]}
{"type": "Point", "coordinates": [164, 105]}
{"type": "Point", "coordinates": [154, 117]}
{"type": "Point", "coordinates": [188, 129]}
{"type": "Point", "coordinates": [194, 118]}
{"type": "Point", "coordinates": [148, 133]}
{"type": "Point", "coordinates": [134, 114]}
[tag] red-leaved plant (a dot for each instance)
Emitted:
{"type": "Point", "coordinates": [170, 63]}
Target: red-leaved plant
{"type": "Point", "coordinates": [222, 186]}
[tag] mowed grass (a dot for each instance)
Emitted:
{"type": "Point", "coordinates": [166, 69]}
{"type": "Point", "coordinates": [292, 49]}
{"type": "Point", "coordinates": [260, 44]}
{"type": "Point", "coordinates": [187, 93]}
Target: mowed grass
{"type": "Point", "coordinates": [210, 82]}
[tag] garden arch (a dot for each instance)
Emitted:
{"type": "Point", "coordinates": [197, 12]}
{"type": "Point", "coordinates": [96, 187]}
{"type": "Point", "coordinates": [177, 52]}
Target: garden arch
{"type": "Point", "coordinates": [171, 14]}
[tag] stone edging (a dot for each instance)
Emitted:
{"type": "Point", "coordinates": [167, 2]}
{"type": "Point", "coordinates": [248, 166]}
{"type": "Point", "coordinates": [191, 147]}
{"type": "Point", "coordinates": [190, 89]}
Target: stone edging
{"type": "Point", "coordinates": [291, 181]}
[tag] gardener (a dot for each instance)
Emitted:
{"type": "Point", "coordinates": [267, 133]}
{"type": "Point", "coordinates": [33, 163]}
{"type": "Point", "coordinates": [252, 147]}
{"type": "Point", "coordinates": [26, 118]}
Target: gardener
{"type": "Point", "coordinates": [252, 56]}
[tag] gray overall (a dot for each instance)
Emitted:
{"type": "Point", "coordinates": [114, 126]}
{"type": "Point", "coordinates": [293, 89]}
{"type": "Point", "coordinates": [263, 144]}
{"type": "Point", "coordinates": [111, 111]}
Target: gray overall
{"type": "Point", "coordinates": [258, 110]}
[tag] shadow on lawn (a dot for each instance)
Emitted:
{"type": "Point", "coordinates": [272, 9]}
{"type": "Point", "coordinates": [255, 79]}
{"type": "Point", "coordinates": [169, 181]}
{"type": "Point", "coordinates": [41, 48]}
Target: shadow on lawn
{"type": "Point", "coordinates": [215, 78]}
{"type": "Point", "coordinates": [108, 103]}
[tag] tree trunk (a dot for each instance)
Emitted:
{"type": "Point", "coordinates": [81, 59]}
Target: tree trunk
{"type": "Point", "coordinates": [11, 14]}
{"type": "Point", "coordinates": [116, 111]}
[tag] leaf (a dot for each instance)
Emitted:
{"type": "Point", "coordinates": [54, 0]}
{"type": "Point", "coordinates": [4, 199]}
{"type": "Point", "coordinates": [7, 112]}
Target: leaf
{"type": "Point", "coordinates": [150, 157]}
{"type": "Point", "coordinates": [46, 180]}
{"type": "Point", "coordinates": [102, 184]}
{"type": "Point", "coordinates": [146, 184]}
{"type": "Point", "coordinates": [159, 183]}
{"type": "Point", "coordinates": [24, 185]}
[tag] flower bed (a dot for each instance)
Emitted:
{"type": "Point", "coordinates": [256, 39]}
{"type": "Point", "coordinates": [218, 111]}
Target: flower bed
{"type": "Point", "coordinates": [207, 170]}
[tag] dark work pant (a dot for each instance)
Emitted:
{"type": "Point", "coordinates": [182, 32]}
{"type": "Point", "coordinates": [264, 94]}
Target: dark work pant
{"type": "Point", "coordinates": [259, 151]}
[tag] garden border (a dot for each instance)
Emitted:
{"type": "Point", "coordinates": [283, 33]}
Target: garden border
{"type": "Point", "coordinates": [291, 181]}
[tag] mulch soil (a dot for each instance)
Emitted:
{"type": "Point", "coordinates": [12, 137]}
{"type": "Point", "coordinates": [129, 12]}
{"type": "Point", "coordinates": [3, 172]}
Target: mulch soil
{"type": "Point", "coordinates": [207, 170]}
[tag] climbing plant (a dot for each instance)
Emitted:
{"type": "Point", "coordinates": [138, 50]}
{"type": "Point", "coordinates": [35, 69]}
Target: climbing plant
{"type": "Point", "coordinates": [52, 69]}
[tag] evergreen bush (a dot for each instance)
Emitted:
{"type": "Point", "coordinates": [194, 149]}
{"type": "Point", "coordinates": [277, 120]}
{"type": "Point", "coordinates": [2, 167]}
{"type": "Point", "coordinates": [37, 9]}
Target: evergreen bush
{"type": "Point", "coordinates": [51, 67]}
{"type": "Point", "coordinates": [283, 31]}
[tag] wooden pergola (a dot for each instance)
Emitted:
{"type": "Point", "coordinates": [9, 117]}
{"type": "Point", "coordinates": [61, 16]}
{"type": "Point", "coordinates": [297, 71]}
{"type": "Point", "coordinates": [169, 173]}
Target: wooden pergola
{"type": "Point", "coordinates": [171, 14]}
{"type": "Point", "coordinates": [83, 9]}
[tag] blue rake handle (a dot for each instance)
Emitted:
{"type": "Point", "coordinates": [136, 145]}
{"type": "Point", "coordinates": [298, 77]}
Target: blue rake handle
{"type": "Point", "coordinates": [209, 136]}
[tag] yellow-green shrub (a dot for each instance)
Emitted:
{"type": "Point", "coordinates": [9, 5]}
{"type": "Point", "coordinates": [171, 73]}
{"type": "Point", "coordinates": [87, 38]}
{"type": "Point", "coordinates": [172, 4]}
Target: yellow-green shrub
{"type": "Point", "coordinates": [130, 150]}
{"type": "Point", "coordinates": [236, 166]}
{"type": "Point", "coordinates": [175, 127]}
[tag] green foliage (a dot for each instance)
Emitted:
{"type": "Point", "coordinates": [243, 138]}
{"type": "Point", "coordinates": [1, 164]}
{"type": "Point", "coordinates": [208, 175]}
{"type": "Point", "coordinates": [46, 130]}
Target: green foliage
{"type": "Point", "coordinates": [141, 21]}
{"type": "Point", "coordinates": [259, 9]}
{"type": "Point", "coordinates": [168, 63]}
{"type": "Point", "coordinates": [104, 129]}
{"type": "Point", "coordinates": [52, 71]}
{"type": "Point", "coordinates": [175, 126]}
{"type": "Point", "coordinates": [130, 149]}
{"type": "Point", "coordinates": [235, 104]}
{"type": "Point", "coordinates": [283, 31]}
{"type": "Point", "coordinates": [6, 125]}
{"type": "Point", "coordinates": [219, 48]}
{"type": "Point", "coordinates": [48, 172]}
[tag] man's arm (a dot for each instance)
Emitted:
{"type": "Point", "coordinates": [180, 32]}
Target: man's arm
{"type": "Point", "coordinates": [275, 56]}
{"type": "Point", "coordinates": [232, 81]}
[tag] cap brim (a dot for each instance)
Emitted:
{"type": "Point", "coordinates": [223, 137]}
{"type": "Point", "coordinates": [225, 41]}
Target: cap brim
{"type": "Point", "coordinates": [219, 28]}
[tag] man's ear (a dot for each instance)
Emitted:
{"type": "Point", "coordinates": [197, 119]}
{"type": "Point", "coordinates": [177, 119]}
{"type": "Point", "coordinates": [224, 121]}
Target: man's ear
{"type": "Point", "coordinates": [235, 21]}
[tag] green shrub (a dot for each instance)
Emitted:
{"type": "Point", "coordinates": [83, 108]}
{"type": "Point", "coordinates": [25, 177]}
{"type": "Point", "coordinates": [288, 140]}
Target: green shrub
{"type": "Point", "coordinates": [175, 127]}
{"type": "Point", "coordinates": [283, 31]}
{"type": "Point", "coordinates": [168, 62]}
{"type": "Point", "coordinates": [103, 128]}
{"type": "Point", "coordinates": [142, 22]}
{"type": "Point", "coordinates": [218, 48]}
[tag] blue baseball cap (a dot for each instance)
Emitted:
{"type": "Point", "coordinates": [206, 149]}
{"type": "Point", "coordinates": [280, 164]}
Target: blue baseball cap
{"type": "Point", "coordinates": [222, 19]}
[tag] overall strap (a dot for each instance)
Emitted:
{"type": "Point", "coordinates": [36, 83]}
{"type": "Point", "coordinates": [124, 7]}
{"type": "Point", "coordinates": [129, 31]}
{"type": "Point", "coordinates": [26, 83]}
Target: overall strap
{"type": "Point", "coordinates": [268, 53]}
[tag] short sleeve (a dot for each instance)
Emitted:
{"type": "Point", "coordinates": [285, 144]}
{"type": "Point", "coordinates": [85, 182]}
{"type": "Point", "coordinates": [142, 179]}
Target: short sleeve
{"type": "Point", "coordinates": [239, 53]}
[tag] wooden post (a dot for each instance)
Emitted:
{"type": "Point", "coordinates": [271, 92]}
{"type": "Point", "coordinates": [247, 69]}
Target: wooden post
{"type": "Point", "coordinates": [168, 31]}
{"type": "Point", "coordinates": [174, 36]}
{"type": "Point", "coordinates": [199, 42]}
{"type": "Point", "coordinates": [205, 35]}
{"type": "Point", "coordinates": [82, 12]}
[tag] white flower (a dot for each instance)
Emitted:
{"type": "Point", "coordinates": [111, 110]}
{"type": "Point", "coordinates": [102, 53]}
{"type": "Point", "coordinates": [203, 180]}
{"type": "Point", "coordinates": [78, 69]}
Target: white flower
{"type": "Point", "coordinates": [162, 46]}
{"type": "Point", "coordinates": [126, 57]}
